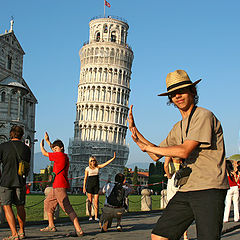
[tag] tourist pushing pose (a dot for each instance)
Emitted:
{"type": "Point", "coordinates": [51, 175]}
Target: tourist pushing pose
{"type": "Point", "coordinates": [58, 194]}
{"type": "Point", "coordinates": [91, 183]}
{"type": "Point", "coordinates": [197, 139]}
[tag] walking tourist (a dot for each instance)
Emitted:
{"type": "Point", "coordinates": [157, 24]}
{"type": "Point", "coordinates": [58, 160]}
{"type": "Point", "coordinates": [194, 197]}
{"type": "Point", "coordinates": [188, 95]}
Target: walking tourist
{"type": "Point", "coordinates": [198, 140]}
{"type": "Point", "coordinates": [91, 184]}
{"type": "Point", "coordinates": [58, 195]}
{"type": "Point", "coordinates": [115, 203]}
{"type": "Point", "coordinates": [12, 185]}
{"type": "Point", "coordinates": [232, 193]}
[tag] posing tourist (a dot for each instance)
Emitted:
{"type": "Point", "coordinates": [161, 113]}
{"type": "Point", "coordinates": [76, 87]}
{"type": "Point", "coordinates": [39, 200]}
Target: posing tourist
{"type": "Point", "coordinates": [91, 184]}
{"type": "Point", "coordinates": [12, 185]}
{"type": "Point", "coordinates": [115, 203]}
{"type": "Point", "coordinates": [58, 195]}
{"type": "Point", "coordinates": [198, 140]}
{"type": "Point", "coordinates": [232, 193]}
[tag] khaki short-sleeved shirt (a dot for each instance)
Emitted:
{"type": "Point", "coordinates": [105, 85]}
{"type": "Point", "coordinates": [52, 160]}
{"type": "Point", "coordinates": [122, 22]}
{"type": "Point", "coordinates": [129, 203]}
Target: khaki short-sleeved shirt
{"type": "Point", "coordinates": [207, 160]}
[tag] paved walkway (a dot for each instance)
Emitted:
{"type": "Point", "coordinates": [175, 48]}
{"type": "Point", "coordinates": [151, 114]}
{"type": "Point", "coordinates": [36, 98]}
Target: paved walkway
{"type": "Point", "coordinates": [135, 226]}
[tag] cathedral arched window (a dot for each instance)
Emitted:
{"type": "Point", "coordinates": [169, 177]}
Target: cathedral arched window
{"type": "Point", "coordinates": [9, 63]}
{"type": "Point", "coordinates": [3, 97]}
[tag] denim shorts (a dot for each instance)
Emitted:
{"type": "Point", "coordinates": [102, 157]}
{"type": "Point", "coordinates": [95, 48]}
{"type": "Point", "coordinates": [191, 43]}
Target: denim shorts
{"type": "Point", "coordinates": [206, 207]}
{"type": "Point", "coordinates": [12, 195]}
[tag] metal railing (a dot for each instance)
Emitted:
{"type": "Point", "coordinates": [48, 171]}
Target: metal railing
{"type": "Point", "coordinates": [111, 17]}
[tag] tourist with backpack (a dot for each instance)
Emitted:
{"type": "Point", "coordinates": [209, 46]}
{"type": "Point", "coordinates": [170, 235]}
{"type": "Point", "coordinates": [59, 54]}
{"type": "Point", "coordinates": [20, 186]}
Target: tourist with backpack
{"type": "Point", "coordinates": [115, 204]}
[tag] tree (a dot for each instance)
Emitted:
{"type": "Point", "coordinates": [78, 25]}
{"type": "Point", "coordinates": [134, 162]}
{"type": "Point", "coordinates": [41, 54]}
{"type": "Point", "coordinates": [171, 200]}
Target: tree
{"type": "Point", "coordinates": [135, 178]}
{"type": "Point", "coordinates": [159, 168]}
{"type": "Point", "coordinates": [127, 175]}
{"type": "Point", "coordinates": [50, 170]}
{"type": "Point", "coordinates": [37, 177]}
{"type": "Point", "coordinates": [45, 179]}
{"type": "Point", "coordinates": [156, 178]}
{"type": "Point", "coordinates": [151, 169]}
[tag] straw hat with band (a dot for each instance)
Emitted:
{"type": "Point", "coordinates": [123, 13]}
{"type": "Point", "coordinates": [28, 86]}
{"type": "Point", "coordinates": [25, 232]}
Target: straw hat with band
{"type": "Point", "coordinates": [176, 80]}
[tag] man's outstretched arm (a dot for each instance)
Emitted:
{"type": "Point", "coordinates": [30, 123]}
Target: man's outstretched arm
{"type": "Point", "coordinates": [180, 151]}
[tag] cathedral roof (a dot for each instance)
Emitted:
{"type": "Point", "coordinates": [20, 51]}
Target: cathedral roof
{"type": "Point", "coordinates": [9, 81]}
{"type": "Point", "coordinates": [11, 39]}
{"type": "Point", "coordinates": [12, 82]}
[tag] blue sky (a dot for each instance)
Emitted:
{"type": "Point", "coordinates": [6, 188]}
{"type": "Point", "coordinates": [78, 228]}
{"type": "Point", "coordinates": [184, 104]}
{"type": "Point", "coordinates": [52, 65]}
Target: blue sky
{"type": "Point", "coordinates": [201, 37]}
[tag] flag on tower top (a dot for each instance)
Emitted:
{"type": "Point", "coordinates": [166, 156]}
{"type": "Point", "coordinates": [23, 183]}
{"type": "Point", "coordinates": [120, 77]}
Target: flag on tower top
{"type": "Point", "coordinates": [107, 4]}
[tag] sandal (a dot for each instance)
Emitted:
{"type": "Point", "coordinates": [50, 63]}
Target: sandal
{"type": "Point", "coordinates": [11, 238]}
{"type": "Point", "coordinates": [48, 229]}
{"type": "Point", "coordinates": [75, 234]}
{"type": "Point", "coordinates": [21, 235]}
{"type": "Point", "coordinates": [80, 233]}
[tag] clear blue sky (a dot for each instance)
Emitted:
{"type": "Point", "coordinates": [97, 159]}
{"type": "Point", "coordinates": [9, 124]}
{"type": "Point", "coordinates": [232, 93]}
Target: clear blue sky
{"type": "Point", "coordinates": [201, 37]}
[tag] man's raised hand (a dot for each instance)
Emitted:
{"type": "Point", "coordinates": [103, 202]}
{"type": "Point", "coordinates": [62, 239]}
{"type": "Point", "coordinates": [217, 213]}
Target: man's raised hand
{"type": "Point", "coordinates": [135, 138]}
{"type": "Point", "coordinates": [130, 119]}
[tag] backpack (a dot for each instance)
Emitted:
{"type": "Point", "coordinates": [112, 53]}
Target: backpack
{"type": "Point", "coordinates": [117, 196]}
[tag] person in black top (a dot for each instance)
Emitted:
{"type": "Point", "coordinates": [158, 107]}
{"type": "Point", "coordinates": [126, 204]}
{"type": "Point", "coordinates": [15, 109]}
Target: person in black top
{"type": "Point", "coordinates": [12, 186]}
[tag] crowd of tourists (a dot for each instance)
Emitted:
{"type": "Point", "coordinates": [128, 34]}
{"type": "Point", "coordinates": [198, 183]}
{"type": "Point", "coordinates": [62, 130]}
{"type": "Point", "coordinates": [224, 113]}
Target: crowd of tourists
{"type": "Point", "coordinates": [13, 187]}
{"type": "Point", "coordinates": [199, 178]}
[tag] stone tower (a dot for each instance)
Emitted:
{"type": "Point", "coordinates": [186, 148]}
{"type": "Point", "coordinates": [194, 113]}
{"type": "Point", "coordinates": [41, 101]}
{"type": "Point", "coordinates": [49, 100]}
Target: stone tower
{"type": "Point", "coordinates": [17, 102]}
{"type": "Point", "coordinates": [102, 105]}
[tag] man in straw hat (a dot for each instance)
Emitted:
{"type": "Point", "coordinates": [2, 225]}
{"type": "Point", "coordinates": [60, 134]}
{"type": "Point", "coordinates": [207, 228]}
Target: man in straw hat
{"type": "Point", "coordinates": [198, 140]}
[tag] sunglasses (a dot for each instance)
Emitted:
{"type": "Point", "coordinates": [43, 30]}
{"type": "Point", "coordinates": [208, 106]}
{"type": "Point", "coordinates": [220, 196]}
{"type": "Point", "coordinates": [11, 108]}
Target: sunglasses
{"type": "Point", "coordinates": [93, 161]}
{"type": "Point", "coordinates": [179, 91]}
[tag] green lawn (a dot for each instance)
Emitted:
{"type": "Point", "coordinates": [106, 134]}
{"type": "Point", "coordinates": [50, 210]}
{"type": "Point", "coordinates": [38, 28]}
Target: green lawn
{"type": "Point", "coordinates": [34, 205]}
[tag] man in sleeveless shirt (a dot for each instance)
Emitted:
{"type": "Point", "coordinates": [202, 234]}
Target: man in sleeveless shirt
{"type": "Point", "coordinates": [198, 140]}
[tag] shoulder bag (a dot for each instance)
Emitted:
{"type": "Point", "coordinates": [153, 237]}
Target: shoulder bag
{"type": "Point", "coordinates": [53, 175]}
{"type": "Point", "coordinates": [182, 175]}
{"type": "Point", "coordinates": [23, 166]}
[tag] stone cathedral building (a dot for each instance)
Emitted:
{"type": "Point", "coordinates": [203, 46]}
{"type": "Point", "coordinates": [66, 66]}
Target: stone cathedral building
{"type": "Point", "coordinates": [102, 105]}
{"type": "Point", "coordinates": [17, 102]}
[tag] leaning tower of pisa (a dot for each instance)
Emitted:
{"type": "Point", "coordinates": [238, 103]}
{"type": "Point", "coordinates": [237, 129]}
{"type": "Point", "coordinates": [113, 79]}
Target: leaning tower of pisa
{"type": "Point", "coordinates": [102, 105]}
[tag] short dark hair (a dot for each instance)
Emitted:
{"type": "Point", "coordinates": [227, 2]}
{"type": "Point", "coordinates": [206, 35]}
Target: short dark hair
{"type": "Point", "coordinates": [193, 90]}
{"type": "Point", "coordinates": [119, 178]}
{"type": "Point", "coordinates": [16, 132]}
{"type": "Point", "coordinates": [58, 143]}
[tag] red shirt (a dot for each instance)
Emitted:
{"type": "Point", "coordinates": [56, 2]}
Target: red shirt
{"type": "Point", "coordinates": [27, 189]}
{"type": "Point", "coordinates": [238, 181]}
{"type": "Point", "coordinates": [232, 183]}
{"type": "Point", "coordinates": [61, 161]}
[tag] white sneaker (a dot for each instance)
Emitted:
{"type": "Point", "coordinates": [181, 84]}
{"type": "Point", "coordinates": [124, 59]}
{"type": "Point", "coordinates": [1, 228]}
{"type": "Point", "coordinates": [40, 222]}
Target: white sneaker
{"type": "Point", "coordinates": [97, 219]}
{"type": "Point", "coordinates": [90, 219]}
{"type": "Point", "coordinates": [119, 228]}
